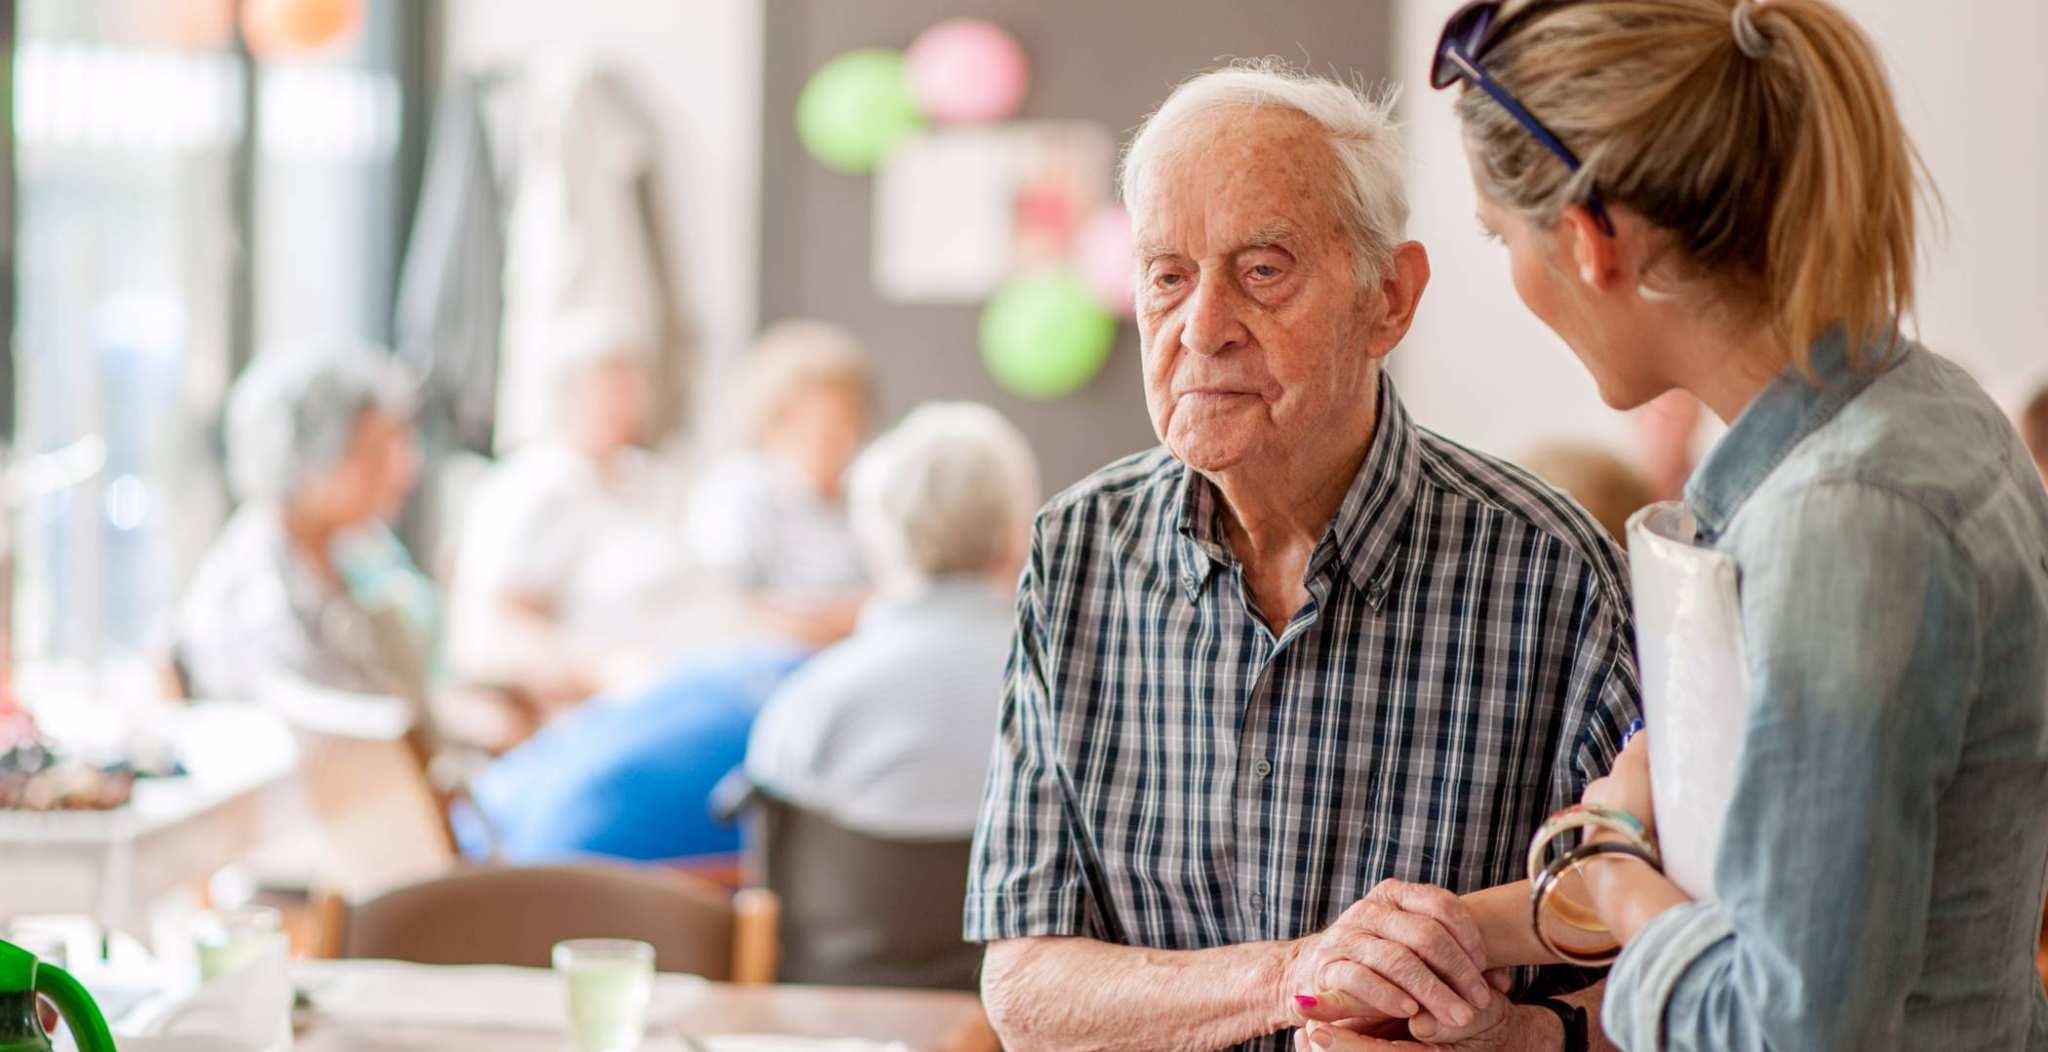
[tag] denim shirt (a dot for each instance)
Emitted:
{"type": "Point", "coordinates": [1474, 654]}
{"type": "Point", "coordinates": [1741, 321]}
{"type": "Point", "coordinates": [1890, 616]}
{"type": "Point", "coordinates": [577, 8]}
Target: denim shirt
{"type": "Point", "coordinates": [1881, 870]}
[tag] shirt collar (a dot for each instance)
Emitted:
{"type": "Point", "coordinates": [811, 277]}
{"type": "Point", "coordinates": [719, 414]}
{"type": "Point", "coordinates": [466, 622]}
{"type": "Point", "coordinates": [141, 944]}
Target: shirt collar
{"type": "Point", "coordinates": [1362, 537]}
{"type": "Point", "coordinates": [1792, 407]}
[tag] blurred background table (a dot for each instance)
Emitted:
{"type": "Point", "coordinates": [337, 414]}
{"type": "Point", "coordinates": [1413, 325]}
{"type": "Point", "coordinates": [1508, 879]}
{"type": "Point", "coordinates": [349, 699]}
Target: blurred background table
{"type": "Point", "coordinates": [240, 761]}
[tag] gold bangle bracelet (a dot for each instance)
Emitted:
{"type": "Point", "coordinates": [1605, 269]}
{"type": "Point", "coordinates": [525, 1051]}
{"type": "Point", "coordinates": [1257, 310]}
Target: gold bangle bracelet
{"type": "Point", "coordinates": [1546, 884]}
{"type": "Point", "coordinates": [1582, 816]}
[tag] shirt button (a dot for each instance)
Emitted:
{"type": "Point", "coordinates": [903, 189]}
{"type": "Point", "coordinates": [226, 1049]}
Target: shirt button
{"type": "Point", "coordinates": [1262, 768]}
{"type": "Point", "coordinates": [1258, 901]}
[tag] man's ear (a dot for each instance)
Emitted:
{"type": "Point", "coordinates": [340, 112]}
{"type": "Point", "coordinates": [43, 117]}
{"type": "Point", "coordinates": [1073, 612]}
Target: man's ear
{"type": "Point", "coordinates": [1401, 288]}
{"type": "Point", "coordinates": [1596, 259]}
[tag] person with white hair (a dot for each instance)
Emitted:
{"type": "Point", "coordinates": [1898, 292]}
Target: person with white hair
{"type": "Point", "coordinates": [1283, 688]}
{"type": "Point", "coordinates": [943, 505]}
{"type": "Point", "coordinates": [321, 455]}
{"type": "Point", "coordinates": [770, 517]}
{"type": "Point", "coordinates": [570, 562]}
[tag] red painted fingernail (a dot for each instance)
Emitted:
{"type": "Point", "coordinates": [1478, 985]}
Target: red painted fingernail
{"type": "Point", "coordinates": [1305, 1000]}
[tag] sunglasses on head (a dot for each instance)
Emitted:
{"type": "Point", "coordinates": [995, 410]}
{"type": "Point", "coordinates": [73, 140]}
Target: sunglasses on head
{"type": "Point", "coordinates": [1466, 37]}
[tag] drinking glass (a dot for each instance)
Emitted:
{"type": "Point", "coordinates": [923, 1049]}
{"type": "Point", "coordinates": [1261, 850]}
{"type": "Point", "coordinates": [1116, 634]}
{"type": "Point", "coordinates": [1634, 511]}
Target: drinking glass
{"type": "Point", "coordinates": [609, 983]}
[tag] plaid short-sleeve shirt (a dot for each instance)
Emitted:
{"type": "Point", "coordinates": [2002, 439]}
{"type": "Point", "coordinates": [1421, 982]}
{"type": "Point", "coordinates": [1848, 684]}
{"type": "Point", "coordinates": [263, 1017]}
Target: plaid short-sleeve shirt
{"type": "Point", "coordinates": [1171, 773]}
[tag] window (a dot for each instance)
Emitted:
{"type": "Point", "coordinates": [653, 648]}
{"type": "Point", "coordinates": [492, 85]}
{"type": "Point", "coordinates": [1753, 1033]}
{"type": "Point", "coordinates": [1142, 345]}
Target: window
{"type": "Point", "coordinates": [144, 164]}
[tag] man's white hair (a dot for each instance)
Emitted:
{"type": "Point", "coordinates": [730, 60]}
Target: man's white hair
{"type": "Point", "coordinates": [950, 490]}
{"type": "Point", "coordinates": [294, 412]}
{"type": "Point", "coordinates": [1359, 125]}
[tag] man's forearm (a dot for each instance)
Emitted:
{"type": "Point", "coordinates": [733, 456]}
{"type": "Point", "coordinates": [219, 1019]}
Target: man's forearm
{"type": "Point", "coordinates": [1071, 993]}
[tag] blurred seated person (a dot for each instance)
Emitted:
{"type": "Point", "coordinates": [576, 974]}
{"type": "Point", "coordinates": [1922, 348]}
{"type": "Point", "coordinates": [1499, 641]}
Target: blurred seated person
{"type": "Point", "coordinates": [868, 763]}
{"type": "Point", "coordinates": [308, 604]}
{"type": "Point", "coordinates": [888, 732]}
{"type": "Point", "coordinates": [1601, 482]}
{"type": "Point", "coordinates": [770, 516]}
{"type": "Point", "coordinates": [320, 453]}
{"type": "Point", "coordinates": [629, 777]}
{"type": "Point", "coordinates": [570, 560]}
{"type": "Point", "coordinates": [2034, 428]}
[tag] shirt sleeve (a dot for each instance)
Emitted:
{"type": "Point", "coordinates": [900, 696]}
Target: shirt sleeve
{"type": "Point", "coordinates": [1026, 879]}
{"type": "Point", "coordinates": [1862, 632]}
{"type": "Point", "coordinates": [1602, 698]}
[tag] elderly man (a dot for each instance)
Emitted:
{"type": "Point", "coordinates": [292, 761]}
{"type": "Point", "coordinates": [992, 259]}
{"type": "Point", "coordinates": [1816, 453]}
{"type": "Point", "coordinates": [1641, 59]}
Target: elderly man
{"type": "Point", "coordinates": [1304, 649]}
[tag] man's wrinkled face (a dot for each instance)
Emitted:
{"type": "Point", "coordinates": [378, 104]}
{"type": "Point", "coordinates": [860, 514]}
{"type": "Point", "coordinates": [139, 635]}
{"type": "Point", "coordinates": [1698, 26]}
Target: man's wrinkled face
{"type": "Point", "coordinates": [1254, 321]}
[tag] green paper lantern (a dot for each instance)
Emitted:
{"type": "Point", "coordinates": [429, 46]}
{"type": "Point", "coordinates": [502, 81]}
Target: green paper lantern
{"type": "Point", "coordinates": [855, 108]}
{"type": "Point", "coordinates": [1044, 336]}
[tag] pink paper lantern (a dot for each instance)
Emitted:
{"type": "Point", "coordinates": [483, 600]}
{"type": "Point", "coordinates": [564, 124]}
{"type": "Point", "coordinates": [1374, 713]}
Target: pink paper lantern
{"type": "Point", "coordinates": [1105, 260]}
{"type": "Point", "coordinates": [965, 70]}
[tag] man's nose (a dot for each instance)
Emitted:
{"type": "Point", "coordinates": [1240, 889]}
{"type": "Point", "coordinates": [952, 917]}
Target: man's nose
{"type": "Point", "coordinates": [1214, 324]}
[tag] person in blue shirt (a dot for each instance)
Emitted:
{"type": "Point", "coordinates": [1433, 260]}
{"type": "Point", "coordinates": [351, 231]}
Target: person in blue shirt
{"type": "Point", "coordinates": [628, 778]}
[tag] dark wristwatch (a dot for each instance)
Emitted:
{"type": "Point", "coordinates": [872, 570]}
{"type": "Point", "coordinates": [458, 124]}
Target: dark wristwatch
{"type": "Point", "coordinates": [1573, 1019]}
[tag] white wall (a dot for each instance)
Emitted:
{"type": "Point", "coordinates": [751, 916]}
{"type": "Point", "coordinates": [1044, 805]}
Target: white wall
{"type": "Point", "coordinates": [1974, 91]}
{"type": "Point", "coordinates": [698, 67]}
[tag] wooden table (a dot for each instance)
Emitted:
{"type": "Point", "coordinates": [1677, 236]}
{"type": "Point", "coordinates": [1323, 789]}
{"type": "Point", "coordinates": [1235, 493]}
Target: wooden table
{"type": "Point", "coordinates": [927, 1021]}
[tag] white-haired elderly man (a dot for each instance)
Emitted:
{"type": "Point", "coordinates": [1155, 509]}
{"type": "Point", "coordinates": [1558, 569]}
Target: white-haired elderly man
{"type": "Point", "coordinates": [1278, 683]}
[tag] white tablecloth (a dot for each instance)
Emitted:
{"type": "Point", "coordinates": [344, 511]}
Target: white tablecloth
{"type": "Point", "coordinates": [112, 864]}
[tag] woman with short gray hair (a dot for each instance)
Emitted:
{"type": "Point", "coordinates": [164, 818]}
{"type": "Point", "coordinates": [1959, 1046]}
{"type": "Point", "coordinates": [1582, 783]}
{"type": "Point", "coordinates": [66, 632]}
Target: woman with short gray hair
{"type": "Point", "coordinates": [320, 452]}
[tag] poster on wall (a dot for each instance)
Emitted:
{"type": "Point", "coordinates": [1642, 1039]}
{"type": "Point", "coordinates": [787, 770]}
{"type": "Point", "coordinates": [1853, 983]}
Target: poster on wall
{"type": "Point", "coordinates": [959, 210]}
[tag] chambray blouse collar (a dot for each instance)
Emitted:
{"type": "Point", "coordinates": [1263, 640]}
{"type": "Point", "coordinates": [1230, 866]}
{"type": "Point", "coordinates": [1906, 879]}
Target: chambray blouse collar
{"type": "Point", "coordinates": [1794, 406]}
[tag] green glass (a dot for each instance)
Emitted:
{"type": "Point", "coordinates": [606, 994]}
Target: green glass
{"type": "Point", "coordinates": [609, 981]}
{"type": "Point", "coordinates": [22, 977]}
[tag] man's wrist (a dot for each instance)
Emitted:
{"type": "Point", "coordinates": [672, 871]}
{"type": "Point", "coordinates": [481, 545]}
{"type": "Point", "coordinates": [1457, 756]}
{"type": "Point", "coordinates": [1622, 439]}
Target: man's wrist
{"type": "Point", "coordinates": [1566, 1028]}
{"type": "Point", "coordinates": [1276, 986]}
{"type": "Point", "coordinates": [1540, 1029]}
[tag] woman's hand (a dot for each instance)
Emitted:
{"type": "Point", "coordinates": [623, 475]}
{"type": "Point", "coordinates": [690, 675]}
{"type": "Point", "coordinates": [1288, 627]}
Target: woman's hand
{"type": "Point", "coordinates": [1627, 787]}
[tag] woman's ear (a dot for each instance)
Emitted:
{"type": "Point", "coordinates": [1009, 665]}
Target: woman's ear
{"type": "Point", "coordinates": [1595, 256]}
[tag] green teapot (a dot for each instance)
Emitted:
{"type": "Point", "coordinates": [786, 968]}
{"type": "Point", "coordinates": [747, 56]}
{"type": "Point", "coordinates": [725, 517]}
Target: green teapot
{"type": "Point", "coordinates": [22, 977]}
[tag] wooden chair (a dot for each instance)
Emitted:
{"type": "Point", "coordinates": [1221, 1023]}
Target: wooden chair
{"type": "Point", "coordinates": [515, 914]}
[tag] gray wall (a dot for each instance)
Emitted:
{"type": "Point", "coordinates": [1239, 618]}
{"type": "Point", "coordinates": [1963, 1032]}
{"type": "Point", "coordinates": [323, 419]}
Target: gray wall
{"type": "Point", "coordinates": [1106, 60]}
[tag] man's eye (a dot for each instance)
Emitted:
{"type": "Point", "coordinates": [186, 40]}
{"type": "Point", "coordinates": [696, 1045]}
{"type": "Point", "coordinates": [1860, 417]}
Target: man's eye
{"type": "Point", "coordinates": [1265, 272]}
{"type": "Point", "coordinates": [1168, 281]}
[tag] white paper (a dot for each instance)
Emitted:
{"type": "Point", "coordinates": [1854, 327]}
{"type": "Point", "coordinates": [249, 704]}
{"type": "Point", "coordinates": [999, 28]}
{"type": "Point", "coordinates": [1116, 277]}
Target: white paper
{"type": "Point", "coordinates": [249, 1008]}
{"type": "Point", "coordinates": [1695, 686]}
{"type": "Point", "coordinates": [947, 222]}
{"type": "Point", "coordinates": [943, 206]}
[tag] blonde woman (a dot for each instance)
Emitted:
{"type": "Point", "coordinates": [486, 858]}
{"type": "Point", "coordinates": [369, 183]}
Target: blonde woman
{"type": "Point", "coordinates": [1719, 198]}
{"type": "Point", "coordinates": [771, 515]}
